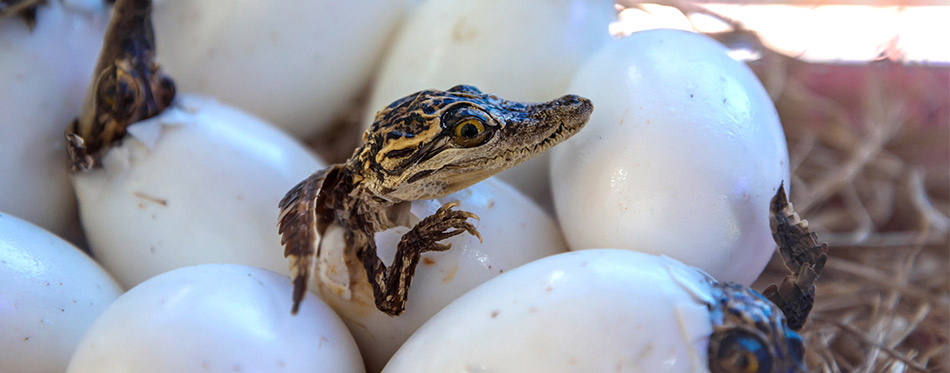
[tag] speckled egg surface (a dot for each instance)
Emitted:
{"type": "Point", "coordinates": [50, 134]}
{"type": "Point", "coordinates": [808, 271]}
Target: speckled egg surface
{"type": "Point", "coordinates": [197, 184]}
{"type": "Point", "coordinates": [215, 318]}
{"type": "Point", "coordinates": [40, 94]}
{"type": "Point", "coordinates": [50, 293]}
{"type": "Point", "coordinates": [297, 64]}
{"type": "Point", "coordinates": [586, 311]}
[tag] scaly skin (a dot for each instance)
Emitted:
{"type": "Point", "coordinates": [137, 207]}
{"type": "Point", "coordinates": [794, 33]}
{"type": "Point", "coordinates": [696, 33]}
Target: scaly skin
{"type": "Point", "coordinates": [127, 85]}
{"type": "Point", "coordinates": [756, 333]}
{"type": "Point", "coordinates": [424, 146]}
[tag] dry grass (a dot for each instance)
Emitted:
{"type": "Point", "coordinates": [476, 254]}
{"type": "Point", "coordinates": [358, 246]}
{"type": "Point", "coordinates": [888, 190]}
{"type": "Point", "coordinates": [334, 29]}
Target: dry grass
{"type": "Point", "coordinates": [871, 173]}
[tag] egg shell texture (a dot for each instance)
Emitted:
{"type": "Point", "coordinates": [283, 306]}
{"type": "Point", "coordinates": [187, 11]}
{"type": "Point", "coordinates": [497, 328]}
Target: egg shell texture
{"type": "Point", "coordinates": [50, 293]}
{"type": "Point", "coordinates": [588, 311]}
{"type": "Point", "coordinates": [681, 156]}
{"type": "Point", "coordinates": [44, 74]}
{"type": "Point", "coordinates": [216, 318]}
{"type": "Point", "coordinates": [295, 63]}
{"type": "Point", "coordinates": [524, 50]}
{"type": "Point", "coordinates": [514, 229]}
{"type": "Point", "coordinates": [197, 184]}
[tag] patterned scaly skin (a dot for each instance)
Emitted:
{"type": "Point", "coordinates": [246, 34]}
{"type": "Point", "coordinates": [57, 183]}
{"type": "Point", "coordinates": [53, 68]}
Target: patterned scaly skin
{"type": "Point", "coordinates": [424, 146]}
{"type": "Point", "coordinates": [127, 85]}
{"type": "Point", "coordinates": [754, 332]}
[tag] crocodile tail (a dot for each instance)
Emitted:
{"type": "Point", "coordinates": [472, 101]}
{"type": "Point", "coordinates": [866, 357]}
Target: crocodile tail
{"type": "Point", "coordinates": [303, 218]}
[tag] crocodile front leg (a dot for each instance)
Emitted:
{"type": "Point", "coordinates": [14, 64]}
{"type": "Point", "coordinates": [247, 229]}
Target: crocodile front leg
{"type": "Point", "coordinates": [391, 284]}
{"type": "Point", "coordinates": [804, 255]}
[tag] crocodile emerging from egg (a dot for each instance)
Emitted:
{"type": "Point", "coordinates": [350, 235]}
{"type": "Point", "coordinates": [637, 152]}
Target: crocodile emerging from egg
{"type": "Point", "coordinates": [621, 310]}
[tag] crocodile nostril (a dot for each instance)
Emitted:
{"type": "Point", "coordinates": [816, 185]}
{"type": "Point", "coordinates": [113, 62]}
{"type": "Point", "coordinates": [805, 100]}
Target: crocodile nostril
{"type": "Point", "coordinates": [573, 100]}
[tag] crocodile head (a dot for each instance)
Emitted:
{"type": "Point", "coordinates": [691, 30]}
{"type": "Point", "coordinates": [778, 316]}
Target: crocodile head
{"type": "Point", "coordinates": [432, 143]}
{"type": "Point", "coordinates": [127, 85]}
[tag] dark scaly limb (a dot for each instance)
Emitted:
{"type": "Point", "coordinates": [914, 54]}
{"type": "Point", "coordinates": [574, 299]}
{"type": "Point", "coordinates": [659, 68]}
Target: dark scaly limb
{"type": "Point", "coordinates": [391, 285]}
{"type": "Point", "coordinates": [804, 257]}
{"type": "Point", "coordinates": [304, 218]}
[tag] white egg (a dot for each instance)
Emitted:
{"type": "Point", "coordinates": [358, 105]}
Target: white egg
{"type": "Point", "coordinates": [680, 157]}
{"type": "Point", "coordinates": [525, 50]}
{"type": "Point", "coordinates": [514, 229]}
{"type": "Point", "coordinates": [44, 74]}
{"type": "Point", "coordinates": [50, 293]}
{"type": "Point", "coordinates": [197, 184]}
{"type": "Point", "coordinates": [215, 318]}
{"type": "Point", "coordinates": [586, 311]}
{"type": "Point", "coordinates": [295, 63]}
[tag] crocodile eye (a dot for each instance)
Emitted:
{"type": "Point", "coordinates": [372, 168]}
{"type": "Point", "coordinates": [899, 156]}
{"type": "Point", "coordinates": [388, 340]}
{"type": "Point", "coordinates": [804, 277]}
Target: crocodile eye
{"type": "Point", "coordinates": [742, 352]}
{"type": "Point", "coordinates": [470, 132]}
{"type": "Point", "coordinates": [118, 93]}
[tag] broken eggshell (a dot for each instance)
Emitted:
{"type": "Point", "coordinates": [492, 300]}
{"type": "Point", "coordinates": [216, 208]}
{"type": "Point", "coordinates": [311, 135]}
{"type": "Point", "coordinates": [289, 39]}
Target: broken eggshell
{"type": "Point", "coordinates": [219, 318]}
{"type": "Point", "coordinates": [198, 183]}
{"type": "Point", "coordinates": [587, 311]}
{"type": "Point", "coordinates": [524, 50]}
{"type": "Point", "coordinates": [286, 62]}
{"type": "Point", "coordinates": [44, 73]}
{"type": "Point", "coordinates": [515, 231]}
{"type": "Point", "coordinates": [680, 157]}
{"type": "Point", "coordinates": [50, 293]}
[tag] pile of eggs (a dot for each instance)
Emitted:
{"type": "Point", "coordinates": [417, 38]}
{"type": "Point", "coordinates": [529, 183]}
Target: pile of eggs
{"type": "Point", "coordinates": [673, 172]}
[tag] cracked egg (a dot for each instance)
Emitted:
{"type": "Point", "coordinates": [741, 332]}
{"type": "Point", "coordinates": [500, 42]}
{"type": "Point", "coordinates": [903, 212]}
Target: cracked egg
{"type": "Point", "coordinates": [198, 183]}
{"type": "Point", "coordinates": [587, 311]}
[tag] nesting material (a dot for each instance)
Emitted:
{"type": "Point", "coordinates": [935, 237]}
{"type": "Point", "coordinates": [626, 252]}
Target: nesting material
{"type": "Point", "coordinates": [868, 147]}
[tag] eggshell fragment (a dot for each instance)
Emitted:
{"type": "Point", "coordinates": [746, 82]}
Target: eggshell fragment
{"type": "Point", "coordinates": [44, 74]}
{"type": "Point", "coordinates": [587, 311]}
{"type": "Point", "coordinates": [50, 293]}
{"type": "Point", "coordinates": [216, 318]}
{"type": "Point", "coordinates": [680, 157]}
{"type": "Point", "coordinates": [295, 63]}
{"type": "Point", "coordinates": [524, 50]}
{"type": "Point", "coordinates": [197, 184]}
{"type": "Point", "coordinates": [514, 229]}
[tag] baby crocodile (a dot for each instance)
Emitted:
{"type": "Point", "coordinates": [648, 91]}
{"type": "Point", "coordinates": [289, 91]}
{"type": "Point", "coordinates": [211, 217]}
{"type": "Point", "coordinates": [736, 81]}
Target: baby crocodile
{"type": "Point", "coordinates": [424, 146]}
{"type": "Point", "coordinates": [127, 85]}
{"type": "Point", "coordinates": [756, 333]}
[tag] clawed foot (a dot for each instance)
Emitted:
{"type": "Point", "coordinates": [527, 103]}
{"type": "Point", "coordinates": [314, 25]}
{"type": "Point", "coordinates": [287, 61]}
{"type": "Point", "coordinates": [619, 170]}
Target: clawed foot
{"type": "Point", "coordinates": [804, 256]}
{"type": "Point", "coordinates": [445, 223]}
{"type": "Point", "coordinates": [391, 285]}
{"type": "Point", "coordinates": [79, 159]}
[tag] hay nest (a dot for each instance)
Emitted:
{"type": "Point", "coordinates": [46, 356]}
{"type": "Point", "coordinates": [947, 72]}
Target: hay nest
{"type": "Point", "coordinates": [869, 147]}
{"type": "Point", "coordinates": [869, 150]}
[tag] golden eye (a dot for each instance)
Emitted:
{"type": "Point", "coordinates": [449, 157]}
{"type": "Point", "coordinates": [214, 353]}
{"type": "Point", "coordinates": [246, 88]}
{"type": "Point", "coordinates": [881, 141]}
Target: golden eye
{"type": "Point", "coordinates": [469, 129]}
